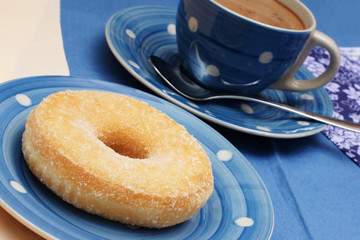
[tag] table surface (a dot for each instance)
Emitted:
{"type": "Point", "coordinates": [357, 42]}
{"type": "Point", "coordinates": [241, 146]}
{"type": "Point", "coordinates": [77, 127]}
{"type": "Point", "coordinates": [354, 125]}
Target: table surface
{"type": "Point", "coordinates": [312, 184]}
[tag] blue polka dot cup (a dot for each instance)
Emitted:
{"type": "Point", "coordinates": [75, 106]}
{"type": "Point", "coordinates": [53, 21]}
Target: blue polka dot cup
{"type": "Point", "coordinates": [224, 50]}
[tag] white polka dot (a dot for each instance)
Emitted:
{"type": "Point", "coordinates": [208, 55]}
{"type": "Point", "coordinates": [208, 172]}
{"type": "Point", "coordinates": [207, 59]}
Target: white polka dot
{"type": "Point", "coordinates": [134, 64]}
{"type": "Point", "coordinates": [247, 109]}
{"type": "Point", "coordinates": [224, 155]}
{"type": "Point", "coordinates": [263, 128]}
{"type": "Point", "coordinates": [23, 99]}
{"type": "Point", "coordinates": [266, 57]}
{"type": "Point", "coordinates": [193, 24]}
{"type": "Point", "coordinates": [130, 33]}
{"type": "Point", "coordinates": [307, 96]}
{"type": "Point", "coordinates": [17, 187]}
{"type": "Point", "coordinates": [171, 29]}
{"type": "Point", "coordinates": [303, 123]}
{"type": "Point", "coordinates": [244, 222]}
{"type": "Point", "coordinates": [213, 71]}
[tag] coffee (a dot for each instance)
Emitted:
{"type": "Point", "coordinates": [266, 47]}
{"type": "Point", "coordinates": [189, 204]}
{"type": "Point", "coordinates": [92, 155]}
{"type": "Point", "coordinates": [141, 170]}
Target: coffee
{"type": "Point", "coordinates": [270, 12]}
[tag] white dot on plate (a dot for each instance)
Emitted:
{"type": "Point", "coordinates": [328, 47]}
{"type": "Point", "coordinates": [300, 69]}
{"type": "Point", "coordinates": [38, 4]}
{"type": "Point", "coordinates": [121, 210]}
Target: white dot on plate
{"type": "Point", "coordinates": [307, 96]}
{"type": "Point", "coordinates": [130, 33]}
{"type": "Point", "coordinates": [263, 128]}
{"type": "Point", "coordinates": [266, 57]}
{"type": "Point", "coordinates": [213, 71]}
{"type": "Point", "coordinates": [134, 64]}
{"type": "Point", "coordinates": [244, 222]}
{"type": "Point", "coordinates": [193, 24]}
{"type": "Point", "coordinates": [17, 187]}
{"type": "Point", "coordinates": [247, 109]}
{"type": "Point", "coordinates": [224, 155]}
{"type": "Point", "coordinates": [303, 123]}
{"type": "Point", "coordinates": [171, 29]}
{"type": "Point", "coordinates": [23, 99]}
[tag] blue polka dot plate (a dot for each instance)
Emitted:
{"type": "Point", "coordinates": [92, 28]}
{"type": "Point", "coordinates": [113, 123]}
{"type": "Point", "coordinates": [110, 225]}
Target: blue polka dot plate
{"type": "Point", "coordinates": [136, 33]}
{"type": "Point", "coordinates": [239, 208]}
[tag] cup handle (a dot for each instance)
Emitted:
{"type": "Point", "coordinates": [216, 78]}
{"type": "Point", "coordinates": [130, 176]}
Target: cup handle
{"type": "Point", "coordinates": [289, 83]}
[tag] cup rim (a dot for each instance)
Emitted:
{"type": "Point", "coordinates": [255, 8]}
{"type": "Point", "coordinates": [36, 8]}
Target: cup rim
{"type": "Point", "coordinates": [301, 10]}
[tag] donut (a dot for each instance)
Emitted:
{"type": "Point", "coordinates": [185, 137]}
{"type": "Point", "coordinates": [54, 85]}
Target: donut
{"type": "Point", "coordinates": [115, 156]}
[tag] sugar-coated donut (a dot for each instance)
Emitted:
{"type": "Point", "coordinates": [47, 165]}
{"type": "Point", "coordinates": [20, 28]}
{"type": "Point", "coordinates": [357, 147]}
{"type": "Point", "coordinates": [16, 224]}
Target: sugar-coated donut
{"type": "Point", "coordinates": [117, 157]}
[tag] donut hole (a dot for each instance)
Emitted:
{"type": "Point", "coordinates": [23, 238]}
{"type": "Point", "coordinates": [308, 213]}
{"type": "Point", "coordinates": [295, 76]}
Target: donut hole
{"type": "Point", "coordinates": [125, 145]}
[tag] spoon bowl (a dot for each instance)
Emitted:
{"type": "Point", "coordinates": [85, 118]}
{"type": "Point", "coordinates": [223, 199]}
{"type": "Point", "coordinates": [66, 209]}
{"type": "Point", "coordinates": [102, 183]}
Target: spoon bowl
{"type": "Point", "coordinates": [180, 82]}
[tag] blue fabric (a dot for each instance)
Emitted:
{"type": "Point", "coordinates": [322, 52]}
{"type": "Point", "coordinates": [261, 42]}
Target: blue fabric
{"type": "Point", "coordinates": [344, 92]}
{"type": "Point", "coordinates": [313, 185]}
{"type": "Point", "coordinates": [338, 19]}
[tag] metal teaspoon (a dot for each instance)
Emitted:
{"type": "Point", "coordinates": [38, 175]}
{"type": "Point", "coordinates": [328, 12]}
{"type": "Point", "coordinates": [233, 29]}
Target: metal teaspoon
{"type": "Point", "coordinates": [186, 87]}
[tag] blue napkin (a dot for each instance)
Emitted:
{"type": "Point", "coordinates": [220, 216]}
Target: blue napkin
{"type": "Point", "coordinates": [344, 91]}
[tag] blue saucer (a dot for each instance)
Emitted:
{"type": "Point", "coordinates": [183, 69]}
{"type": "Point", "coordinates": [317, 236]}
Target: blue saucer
{"type": "Point", "coordinates": [136, 33]}
{"type": "Point", "coordinates": [239, 208]}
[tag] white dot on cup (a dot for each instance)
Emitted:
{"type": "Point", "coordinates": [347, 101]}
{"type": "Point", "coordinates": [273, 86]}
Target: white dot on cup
{"type": "Point", "coordinates": [193, 24]}
{"type": "Point", "coordinates": [266, 57]}
{"type": "Point", "coordinates": [213, 71]}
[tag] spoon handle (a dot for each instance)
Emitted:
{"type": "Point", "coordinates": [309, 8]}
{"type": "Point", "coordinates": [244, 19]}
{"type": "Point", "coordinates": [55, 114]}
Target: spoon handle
{"type": "Point", "coordinates": [320, 118]}
{"type": "Point", "coordinates": [189, 89]}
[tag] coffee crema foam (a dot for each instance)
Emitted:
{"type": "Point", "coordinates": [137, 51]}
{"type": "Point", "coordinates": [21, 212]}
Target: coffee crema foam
{"type": "Point", "coordinates": [270, 12]}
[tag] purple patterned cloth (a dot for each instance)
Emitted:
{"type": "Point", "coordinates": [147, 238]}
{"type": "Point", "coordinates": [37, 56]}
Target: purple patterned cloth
{"type": "Point", "coordinates": [344, 92]}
